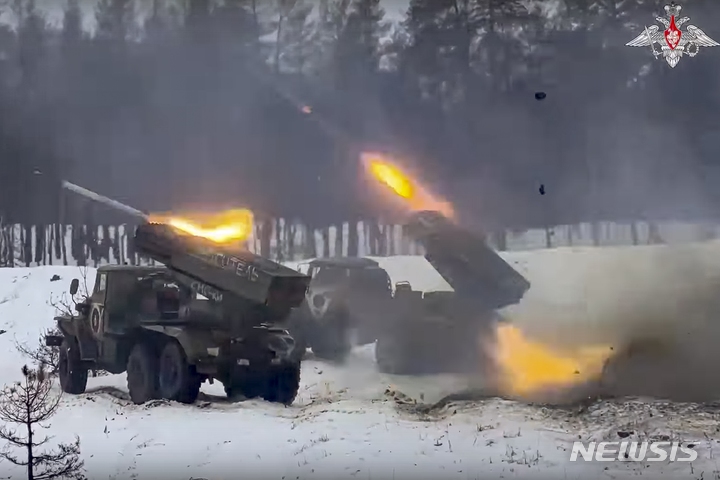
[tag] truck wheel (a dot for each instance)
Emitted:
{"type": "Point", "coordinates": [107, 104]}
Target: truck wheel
{"type": "Point", "coordinates": [283, 383]}
{"type": "Point", "coordinates": [298, 352]}
{"type": "Point", "coordinates": [391, 356]}
{"type": "Point", "coordinates": [297, 327]}
{"type": "Point", "coordinates": [177, 380]}
{"type": "Point", "coordinates": [332, 341]}
{"type": "Point", "coordinates": [326, 350]}
{"type": "Point", "coordinates": [247, 385]}
{"type": "Point", "coordinates": [142, 373]}
{"type": "Point", "coordinates": [231, 392]}
{"type": "Point", "coordinates": [73, 374]}
{"type": "Point", "coordinates": [234, 392]}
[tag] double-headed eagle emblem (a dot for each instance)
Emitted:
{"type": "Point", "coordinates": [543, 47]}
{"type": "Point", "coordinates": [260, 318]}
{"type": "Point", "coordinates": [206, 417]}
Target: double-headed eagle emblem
{"type": "Point", "coordinates": [673, 42]}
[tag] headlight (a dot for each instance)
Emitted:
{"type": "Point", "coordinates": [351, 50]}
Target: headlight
{"type": "Point", "coordinates": [319, 301]}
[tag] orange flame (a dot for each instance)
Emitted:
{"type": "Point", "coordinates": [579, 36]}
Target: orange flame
{"type": "Point", "coordinates": [415, 196]}
{"type": "Point", "coordinates": [225, 227]}
{"type": "Point", "coordinates": [527, 367]}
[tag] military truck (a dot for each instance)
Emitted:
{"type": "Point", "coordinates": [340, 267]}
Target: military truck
{"type": "Point", "coordinates": [337, 311]}
{"type": "Point", "coordinates": [415, 332]}
{"type": "Point", "coordinates": [211, 312]}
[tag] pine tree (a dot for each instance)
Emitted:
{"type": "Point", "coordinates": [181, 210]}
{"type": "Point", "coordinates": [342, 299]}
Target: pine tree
{"type": "Point", "coordinates": [293, 36]}
{"type": "Point", "coordinates": [30, 403]}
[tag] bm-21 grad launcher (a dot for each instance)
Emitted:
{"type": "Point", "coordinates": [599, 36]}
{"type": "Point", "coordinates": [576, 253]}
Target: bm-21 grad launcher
{"type": "Point", "coordinates": [212, 311]}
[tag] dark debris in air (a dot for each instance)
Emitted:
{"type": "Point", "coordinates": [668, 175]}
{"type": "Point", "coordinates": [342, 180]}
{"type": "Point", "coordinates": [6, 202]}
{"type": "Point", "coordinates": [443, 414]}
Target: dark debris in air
{"type": "Point", "coordinates": [541, 96]}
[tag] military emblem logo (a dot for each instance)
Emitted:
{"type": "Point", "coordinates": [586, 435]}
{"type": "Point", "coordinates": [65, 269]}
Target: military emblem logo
{"type": "Point", "coordinates": [673, 42]}
{"type": "Point", "coordinates": [95, 320]}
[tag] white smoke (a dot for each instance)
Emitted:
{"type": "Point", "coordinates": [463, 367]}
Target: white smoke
{"type": "Point", "coordinates": [661, 302]}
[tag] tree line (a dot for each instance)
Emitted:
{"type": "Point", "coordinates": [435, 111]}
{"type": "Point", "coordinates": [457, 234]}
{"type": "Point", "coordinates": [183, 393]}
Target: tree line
{"type": "Point", "coordinates": [95, 245]}
{"type": "Point", "coordinates": [268, 104]}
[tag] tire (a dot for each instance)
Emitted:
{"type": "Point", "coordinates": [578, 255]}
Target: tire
{"type": "Point", "coordinates": [231, 392]}
{"type": "Point", "coordinates": [331, 340]}
{"type": "Point", "coordinates": [177, 380]}
{"type": "Point", "coordinates": [297, 327]}
{"type": "Point", "coordinates": [385, 355]}
{"type": "Point", "coordinates": [391, 355]}
{"type": "Point", "coordinates": [332, 349]}
{"type": "Point", "coordinates": [247, 386]}
{"type": "Point", "coordinates": [283, 383]}
{"type": "Point", "coordinates": [300, 349]}
{"type": "Point", "coordinates": [277, 384]}
{"type": "Point", "coordinates": [142, 374]}
{"type": "Point", "coordinates": [73, 374]}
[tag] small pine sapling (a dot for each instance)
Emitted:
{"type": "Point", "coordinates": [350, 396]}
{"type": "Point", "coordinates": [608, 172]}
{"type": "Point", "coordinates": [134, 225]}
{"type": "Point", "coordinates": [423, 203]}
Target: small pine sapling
{"type": "Point", "coordinates": [30, 403]}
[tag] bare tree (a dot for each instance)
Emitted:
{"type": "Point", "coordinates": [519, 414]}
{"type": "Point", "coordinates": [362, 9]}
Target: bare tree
{"type": "Point", "coordinates": [30, 403]}
{"type": "Point", "coordinates": [4, 250]}
{"type": "Point", "coordinates": [9, 247]}
{"type": "Point", "coordinates": [42, 356]}
{"type": "Point", "coordinates": [85, 291]}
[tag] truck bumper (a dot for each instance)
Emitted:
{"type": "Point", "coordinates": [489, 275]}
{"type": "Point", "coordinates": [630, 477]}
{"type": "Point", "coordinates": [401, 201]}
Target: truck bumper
{"type": "Point", "coordinates": [54, 340]}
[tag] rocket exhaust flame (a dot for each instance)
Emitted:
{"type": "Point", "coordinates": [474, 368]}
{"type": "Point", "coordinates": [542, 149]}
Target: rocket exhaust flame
{"type": "Point", "coordinates": [527, 367]}
{"type": "Point", "coordinates": [393, 178]}
{"type": "Point", "coordinates": [414, 195]}
{"type": "Point", "coordinates": [225, 227]}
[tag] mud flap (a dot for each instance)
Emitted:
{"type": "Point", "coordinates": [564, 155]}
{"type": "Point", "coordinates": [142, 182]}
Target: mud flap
{"type": "Point", "coordinates": [89, 350]}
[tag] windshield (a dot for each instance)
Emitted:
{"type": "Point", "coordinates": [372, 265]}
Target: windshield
{"type": "Point", "coordinates": [373, 279]}
{"type": "Point", "coordinates": [330, 275]}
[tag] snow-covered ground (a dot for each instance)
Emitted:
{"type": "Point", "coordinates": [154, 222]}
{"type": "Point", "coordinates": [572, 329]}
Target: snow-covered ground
{"type": "Point", "coordinates": [352, 422]}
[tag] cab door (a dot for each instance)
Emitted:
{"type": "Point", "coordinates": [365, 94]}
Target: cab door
{"type": "Point", "coordinates": [97, 302]}
{"type": "Point", "coordinates": [89, 329]}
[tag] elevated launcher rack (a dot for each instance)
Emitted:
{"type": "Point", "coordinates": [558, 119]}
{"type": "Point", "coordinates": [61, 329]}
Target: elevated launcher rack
{"type": "Point", "coordinates": [214, 269]}
{"type": "Point", "coordinates": [475, 271]}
